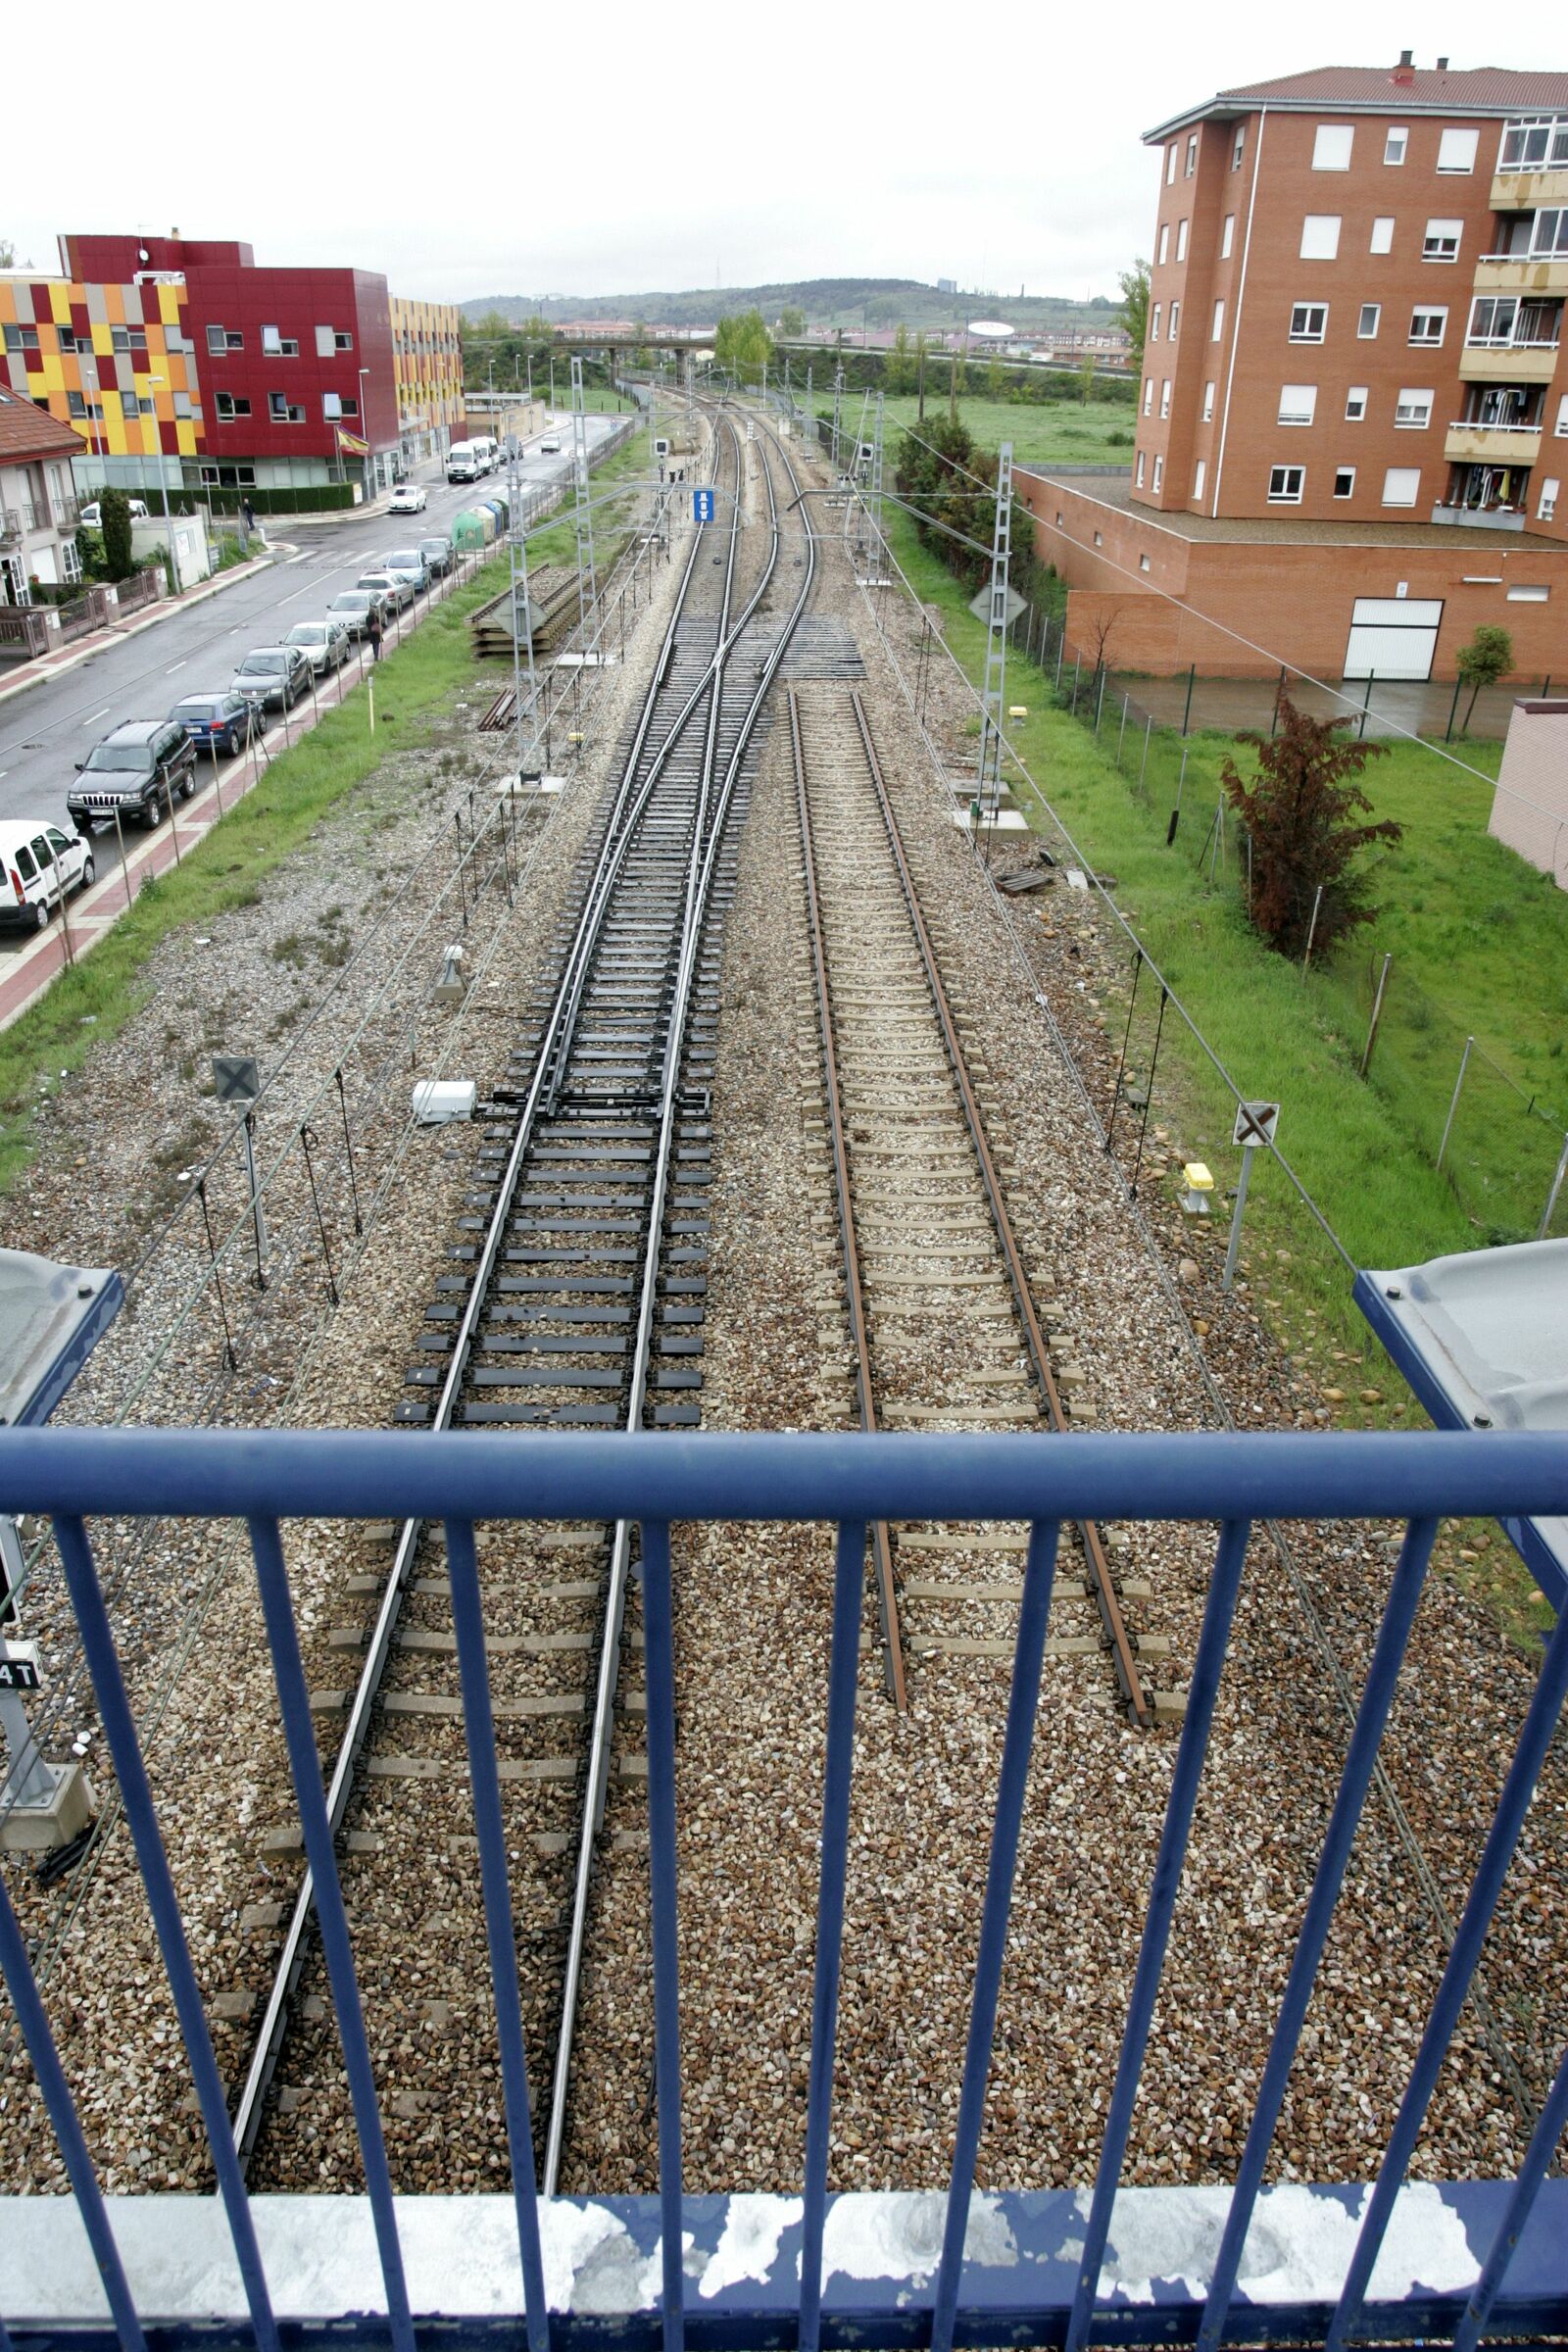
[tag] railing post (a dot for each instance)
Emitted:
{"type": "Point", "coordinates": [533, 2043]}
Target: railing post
{"type": "Point", "coordinates": [1192, 680]}
{"type": "Point", "coordinates": [1448, 1124]}
{"type": "Point", "coordinates": [1556, 1188]}
{"type": "Point", "coordinates": [1377, 1016]}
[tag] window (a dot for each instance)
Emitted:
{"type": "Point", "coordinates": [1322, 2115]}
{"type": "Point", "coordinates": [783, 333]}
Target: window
{"type": "Point", "coordinates": [1227, 236]}
{"type": "Point", "coordinates": [1427, 326]}
{"type": "Point", "coordinates": [1441, 241]}
{"type": "Point", "coordinates": [1396, 144]}
{"type": "Point", "coordinates": [1100, 536]}
{"type": "Point", "coordinates": [230, 477]}
{"type": "Point", "coordinates": [1456, 150]}
{"type": "Point", "coordinates": [75, 406]}
{"type": "Point", "coordinates": [146, 408]}
{"type": "Point", "coordinates": [1191, 154]}
{"type": "Point", "coordinates": [1170, 165]}
{"type": "Point", "coordinates": [68, 338]}
{"type": "Point", "coordinates": [1160, 477]}
{"type": "Point", "coordinates": [1208, 407]}
{"type": "Point", "coordinates": [1175, 319]}
{"type": "Point", "coordinates": [1239, 147]}
{"type": "Point", "coordinates": [1531, 145]}
{"type": "Point", "coordinates": [128, 338]}
{"type": "Point", "coordinates": [1181, 240]}
{"type": "Point", "coordinates": [1413, 408]}
{"type": "Point", "coordinates": [22, 338]}
{"type": "Point", "coordinates": [1563, 418]}
{"type": "Point", "coordinates": [342, 341]}
{"type": "Point", "coordinates": [182, 405]}
{"type": "Point", "coordinates": [1310, 322]}
{"type": "Point", "coordinates": [1218, 327]}
{"type": "Point", "coordinates": [1142, 563]}
{"type": "Point", "coordinates": [351, 406]}
{"type": "Point", "coordinates": [1344, 481]}
{"type": "Point", "coordinates": [325, 342]}
{"type": "Point", "coordinates": [1149, 396]}
{"type": "Point", "coordinates": [284, 411]}
{"type": "Point", "coordinates": [1331, 149]}
{"type": "Point", "coordinates": [1367, 325]}
{"type": "Point", "coordinates": [217, 341]}
{"type": "Point", "coordinates": [1199, 476]}
{"type": "Point", "coordinates": [1140, 473]}
{"type": "Point", "coordinates": [1298, 404]}
{"type": "Point", "coordinates": [230, 405]}
{"type": "Point", "coordinates": [275, 346]}
{"type": "Point", "coordinates": [1547, 509]}
{"type": "Point", "coordinates": [1528, 593]}
{"type": "Point", "coordinates": [331, 405]}
{"type": "Point", "coordinates": [1165, 397]}
{"type": "Point", "coordinates": [70, 561]}
{"type": "Point", "coordinates": [1400, 485]}
{"type": "Point", "coordinates": [1154, 323]}
{"type": "Point", "coordinates": [1320, 236]}
{"type": "Point", "coordinates": [1550, 235]}
{"type": "Point", "coordinates": [1286, 484]}
{"type": "Point", "coordinates": [1492, 319]}
{"type": "Point", "coordinates": [1163, 254]}
{"type": "Point", "coordinates": [1382, 234]}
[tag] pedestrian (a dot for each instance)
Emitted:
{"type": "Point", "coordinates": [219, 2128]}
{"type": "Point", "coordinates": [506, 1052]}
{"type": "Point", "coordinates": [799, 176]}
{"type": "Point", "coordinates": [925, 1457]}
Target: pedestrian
{"type": "Point", "coordinates": [249, 513]}
{"type": "Point", "coordinates": [372, 630]}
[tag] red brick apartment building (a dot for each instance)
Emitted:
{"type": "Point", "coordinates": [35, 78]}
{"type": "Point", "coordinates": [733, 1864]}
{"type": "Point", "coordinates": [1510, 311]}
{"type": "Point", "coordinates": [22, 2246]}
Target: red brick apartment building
{"type": "Point", "coordinates": [1352, 424]}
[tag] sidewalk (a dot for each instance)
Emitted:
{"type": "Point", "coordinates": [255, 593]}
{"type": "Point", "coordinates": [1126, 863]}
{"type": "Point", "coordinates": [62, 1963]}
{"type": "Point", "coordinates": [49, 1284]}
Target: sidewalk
{"type": "Point", "coordinates": [54, 665]}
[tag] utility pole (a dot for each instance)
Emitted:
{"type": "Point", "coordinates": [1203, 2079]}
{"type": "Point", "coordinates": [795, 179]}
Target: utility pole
{"type": "Point", "coordinates": [876, 490]}
{"type": "Point", "coordinates": [587, 586]}
{"type": "Point", "coordinates": [838, 412]}
{"type": "Point", "coordinates": [988, 795]}
{"type": "Point", "coordinates": [810, 413]}
{"type": "Point", "coordinates": [521, 614]}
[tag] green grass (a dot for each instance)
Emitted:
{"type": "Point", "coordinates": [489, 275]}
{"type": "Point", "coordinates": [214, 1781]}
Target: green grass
{"type": "Point", "coordinates": [1063, 432]}
{"type": "Point", "coordinates": [1354, 1146]}
{"type": "Point", "coordinates": [556, 541]}
{"type": "Point", "coordinates": [94, 1000]}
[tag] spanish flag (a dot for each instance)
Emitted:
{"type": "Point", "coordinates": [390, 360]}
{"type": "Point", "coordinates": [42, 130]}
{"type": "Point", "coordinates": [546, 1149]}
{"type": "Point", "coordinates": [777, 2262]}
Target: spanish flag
{"type": "Point", "coordinates": [351, 442]}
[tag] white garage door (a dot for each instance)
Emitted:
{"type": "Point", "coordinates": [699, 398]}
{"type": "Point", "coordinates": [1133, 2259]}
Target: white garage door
{"type": "Point", "coordinates": [1393, 637]}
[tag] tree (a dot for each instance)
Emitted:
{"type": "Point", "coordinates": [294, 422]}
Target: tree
{"type": "Point", "coordinates": [1487, 657]}
{"type": "Point", "coordinates": [114, 520]}
{"type": "Point", "coordinates": [920, 374]}
{"type": "Point", "coordinates": [1134, 311]}
{"type": "Point", "coordinates": [898, 376]}
{"type": "Point", "coordinates": [7, 254]}
{"type": "Point", "coordinates": [1086, 376]}
{"type": "Point", "coordinates": [1297, 811]}
{"type": "Point", "coordinates": [742, 342]}
{"type": "Point", "coordinates": [791, 321]}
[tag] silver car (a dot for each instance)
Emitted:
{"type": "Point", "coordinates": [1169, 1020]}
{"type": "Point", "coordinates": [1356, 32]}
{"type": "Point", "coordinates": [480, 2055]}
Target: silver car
{"type": "Point", "coordinates": [324, 642]}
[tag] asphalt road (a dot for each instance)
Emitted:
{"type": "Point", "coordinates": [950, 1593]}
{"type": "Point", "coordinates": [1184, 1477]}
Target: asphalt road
{"type": "Point", "coordinates": [45, 730]}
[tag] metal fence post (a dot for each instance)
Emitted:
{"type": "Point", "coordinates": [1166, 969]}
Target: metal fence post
{"type": "Point", "coordinates": [1100, 699]}
{"type": "Point", "coordinates": [1448, 1127]}
{"type": "Point", "coordinates": [1377, 1016]}
{"type": "Point", "coordinates": [1454, 709]}
{"type": "Point", "coordinates": [1121, 732]}
{"type": "Point", "coordinates": [1235, 1243]}
{"type": "Point", "coordinates": [1148, 729]}
{"type": "Point", "coordinates": [1192, 680]}
{"type": "Point", "coordinates": [1311, 928]}
{"type": "Point", "coordinates": [1366, 706]}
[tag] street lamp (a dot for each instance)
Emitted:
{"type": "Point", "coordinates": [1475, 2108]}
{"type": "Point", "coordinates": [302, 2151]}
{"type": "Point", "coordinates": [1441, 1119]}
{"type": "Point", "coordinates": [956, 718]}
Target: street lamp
{"type": "Point", "coordinates": [163, 483]}
{"type": "Point", "coordinates": [364, 431]}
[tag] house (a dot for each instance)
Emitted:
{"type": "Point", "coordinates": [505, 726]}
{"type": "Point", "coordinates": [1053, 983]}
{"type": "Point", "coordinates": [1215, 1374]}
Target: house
{"type": "Point", "coordinates": [38, 502]}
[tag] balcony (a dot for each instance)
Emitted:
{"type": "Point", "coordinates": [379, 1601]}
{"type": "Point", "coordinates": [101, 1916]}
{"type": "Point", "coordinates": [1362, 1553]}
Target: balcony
{"type": "Point", "coordinates": [1508, 363]}
{"type": "Point", "coordinates": [1522, 274]}
{"type": "Point", "coordinates": [10, 525]}
{"type": "Point", "coordinates": [1493, 444]}
{"type": "Point", "coordinates": [1525, 191]}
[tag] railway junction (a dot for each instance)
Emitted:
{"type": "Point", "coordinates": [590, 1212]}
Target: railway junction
{"type": "Point", "coordinates": [574, 1849]}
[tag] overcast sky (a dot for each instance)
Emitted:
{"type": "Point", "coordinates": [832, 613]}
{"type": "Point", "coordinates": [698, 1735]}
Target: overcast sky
{"type": "Point", "coordinates": [610, 149]}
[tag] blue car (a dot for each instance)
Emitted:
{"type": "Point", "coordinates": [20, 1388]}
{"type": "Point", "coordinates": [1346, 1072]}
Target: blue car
{"type": "Point", "coordinates": [216, 722]}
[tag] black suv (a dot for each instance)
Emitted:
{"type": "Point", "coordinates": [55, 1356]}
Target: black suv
{"type": "Point", "coordinates": [135, 771]}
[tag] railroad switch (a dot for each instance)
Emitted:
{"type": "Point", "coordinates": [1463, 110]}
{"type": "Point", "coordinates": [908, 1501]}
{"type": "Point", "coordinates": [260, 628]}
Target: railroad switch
{"type": "Point", "coordinates": [1198, 1184]}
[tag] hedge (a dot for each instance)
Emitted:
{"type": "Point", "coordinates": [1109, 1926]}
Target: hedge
{"type": "Point", "coordinates": [305, 498]}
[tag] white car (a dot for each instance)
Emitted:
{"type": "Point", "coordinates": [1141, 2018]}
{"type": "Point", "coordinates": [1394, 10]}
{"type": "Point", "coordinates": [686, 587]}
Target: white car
{"type": "Point", "coordinates": [324, 642]}
{"type": "Point", "coordinates": [90, 514]}
{"type": "Point", "coordinates": [550, 448]}
{"type": "Point", "coordinates": [408, 499]}
{"type": "Point", "coordinates": [38, 865]}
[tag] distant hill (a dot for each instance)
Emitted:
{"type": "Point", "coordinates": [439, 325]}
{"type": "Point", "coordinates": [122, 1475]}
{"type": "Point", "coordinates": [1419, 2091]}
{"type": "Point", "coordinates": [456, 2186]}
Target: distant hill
{"type": "Point", "coordinates": [832, 302]}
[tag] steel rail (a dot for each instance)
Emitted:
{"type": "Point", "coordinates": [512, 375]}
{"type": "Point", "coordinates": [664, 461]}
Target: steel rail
{"type": "Point", "coordinates": [1118, 1640]}
{"type": "Point", "coordinates": [854, 1287]}
{"type": "Point", "coordinates": [248, 2113]}
{"type": "Point", "coordinates": [704, 858]}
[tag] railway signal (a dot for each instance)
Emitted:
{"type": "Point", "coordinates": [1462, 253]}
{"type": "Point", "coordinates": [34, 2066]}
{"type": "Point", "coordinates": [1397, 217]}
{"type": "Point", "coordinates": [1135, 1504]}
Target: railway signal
{"type": "Point", "coordinates": [1256, 1125]}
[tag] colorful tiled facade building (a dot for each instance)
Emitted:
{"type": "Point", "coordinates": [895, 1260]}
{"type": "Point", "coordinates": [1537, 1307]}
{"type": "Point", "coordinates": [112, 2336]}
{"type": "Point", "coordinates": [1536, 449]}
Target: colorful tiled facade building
{"type": "Point", "coordinates": [181, 363]}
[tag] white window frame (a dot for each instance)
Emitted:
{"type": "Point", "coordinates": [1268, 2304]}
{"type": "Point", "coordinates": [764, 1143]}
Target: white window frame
{"type": "Point", "coordinates": [1208, 407]}
{"type": "Point", "coordinates": [1458, 140]}
{"type": "Point", "coordinates": [1333, 146]}
{"type": "Point", "coordinates": [1437, 236]}
{"type": "Point", "coordinates": [1430, 310]}
{"type": "Point", "coordinates": [1170, 163]}
{"type": "Point", "coordinates": [332, 407]}
{"type": "Point", "coordinates": [1149, 396]}
{"type": "Point", "coordinates": [1356, 400]}
{"type": "Point", "coordinates": [1374, 312]}
{"type": "Point", "coordinates": [1191, 154]}
{"type": "Point", "coordinates": [1551, 490]}
{"type": "Point", "coordinates": [1320, 236]}
{"type": "Point", "coordinates": [1137, 474]}
{"type": "Point", "coordinates": [1297, 405]}
{"type": "Point", "coordinates": [1346, 475]}
{"type": "Point", "coordinates": [1401, 474]}
{"type": "Point", "coordinates": [1164, 254]}
{"type": "Point", "coordinates": [1157, 483]}
{"type": "Point", "coordinates": [1382, 234]}
{"type": "Point", "coordinates": [1529, 592]}
{"type": "Point", "coordinates": [1239, 147]}
{"type": "Point", "coordinates": [1199, 476]}
{"type": "Point", "coordinates": [1285, 495]}
{"type": "Point", "coordinates": [1396, 143]}
{"type": "Point", "coordinates": [1181, 240]}
{"type": "Point", "coordinates": [1164, 396]}
{"type": "Point", "coordinates": [325, 343]}
{"type": "Point", "coordinates": [1561, 427]}
{"type": "Point", "coordinates": [1413, 407]}
{"type": "Point", "coordinates": [1175, 321]}
{"type": "Point", "coordinates": [1217, 330]}
{"type": "Point", "coordinates": [1227, 236]}
{"type": "Point", "coordinates": [1308, 310]}
{"type": "Point", "coordinates": [1154, 323]}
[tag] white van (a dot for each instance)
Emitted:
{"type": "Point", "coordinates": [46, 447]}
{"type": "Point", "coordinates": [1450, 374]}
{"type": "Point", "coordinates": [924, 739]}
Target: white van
{"type": "Point", "coordinates": [462, 462]}
{"type": "Point", "coordinates": [38, 865]}
{"type": "Point", "coordinates": [487, 451]}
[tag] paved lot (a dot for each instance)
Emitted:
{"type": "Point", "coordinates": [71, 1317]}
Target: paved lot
{"type": "Point", "coordinates": [46, 729]}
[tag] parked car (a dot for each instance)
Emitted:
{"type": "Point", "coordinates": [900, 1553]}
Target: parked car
{"type": "Point", "coordinates": [38, 865]}
{"type": "Point", "coordinates": [91, 515]}
{"type": "Point", "coordinates": [274, 676]}
{"type": "Point", "coordinates": [324, 642]}
{"type": "Point", "coordinates": [550, 448]}
{"type": "Point", "coordinates": [216, 722]}
{"type": "Point", "coordinates": [436, 557]}
{"type": "Point", "coordinates": [398, 586]}
{"type": "Point", "coordinates": [408, 499]}
{"type": "Point", "coordinates": [355, 607]}
{"type": "Point", "coordinates": [407, 563]}
{"type": "Point", "coordinates": [135, 771]}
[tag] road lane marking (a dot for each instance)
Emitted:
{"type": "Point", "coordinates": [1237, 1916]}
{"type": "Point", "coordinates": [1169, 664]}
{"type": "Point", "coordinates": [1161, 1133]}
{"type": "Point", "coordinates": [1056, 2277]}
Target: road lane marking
{"type": "Point", "coordinates": [310, 589]}
{"type": "Point", "coordinates": [304, 556]}
{"type": "Point", "coordinates": [173, 666]}
{"type": "Point", "coordinates": [103, 714]}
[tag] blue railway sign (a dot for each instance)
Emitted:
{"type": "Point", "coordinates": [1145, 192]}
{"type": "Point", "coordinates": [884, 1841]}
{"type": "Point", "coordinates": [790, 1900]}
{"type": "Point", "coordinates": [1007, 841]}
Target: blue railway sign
{"type": "Point", "coordinates": [701, 506]}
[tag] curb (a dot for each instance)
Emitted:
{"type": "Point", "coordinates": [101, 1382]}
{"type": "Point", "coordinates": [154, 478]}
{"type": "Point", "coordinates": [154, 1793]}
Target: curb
{"type": "Point", "coordinates": [163, 610]}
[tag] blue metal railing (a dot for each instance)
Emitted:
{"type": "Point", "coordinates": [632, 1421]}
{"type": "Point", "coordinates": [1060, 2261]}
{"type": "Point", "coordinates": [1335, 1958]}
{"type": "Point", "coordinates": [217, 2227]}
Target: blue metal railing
{"type": "Point", "coordinates": [1498, 2263]}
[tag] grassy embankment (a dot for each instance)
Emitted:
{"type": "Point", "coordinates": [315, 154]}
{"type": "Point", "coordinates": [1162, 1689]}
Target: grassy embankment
{"type": "Point", "coordinates": [1064, 432]}
{"type": "Point", "coordinates": [1356, 1149]}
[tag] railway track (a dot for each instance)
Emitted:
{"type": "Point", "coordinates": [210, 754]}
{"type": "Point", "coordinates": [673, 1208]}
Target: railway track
{"type": "Point", "coordinates": [576, 1299]}
{"type": "Point", "coordinates": [942, 1326]}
